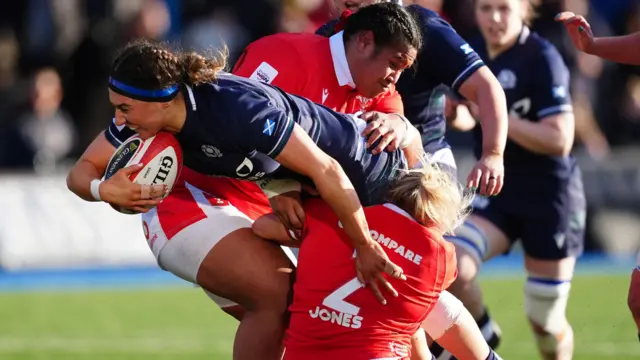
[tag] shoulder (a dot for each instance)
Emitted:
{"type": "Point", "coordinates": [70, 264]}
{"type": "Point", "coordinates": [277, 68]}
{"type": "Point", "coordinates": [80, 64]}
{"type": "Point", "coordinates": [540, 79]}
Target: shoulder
{"type": "Point", "coordinates": [540, 49]}
{"type": "Point", "coordinates": [327, 29]}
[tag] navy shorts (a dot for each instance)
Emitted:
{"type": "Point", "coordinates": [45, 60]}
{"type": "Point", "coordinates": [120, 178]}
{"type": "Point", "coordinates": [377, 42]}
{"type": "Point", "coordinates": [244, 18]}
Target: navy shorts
{"type": "Point", "coordinates": [547, 214]}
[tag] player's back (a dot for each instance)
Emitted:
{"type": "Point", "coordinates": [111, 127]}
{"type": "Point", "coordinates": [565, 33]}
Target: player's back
{"type": "Point", "coordinates": [333, 316]}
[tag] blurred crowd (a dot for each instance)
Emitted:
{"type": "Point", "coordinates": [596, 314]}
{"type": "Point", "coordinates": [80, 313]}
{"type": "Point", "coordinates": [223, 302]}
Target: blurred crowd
{"type": "Point", "coordinates": [55, 57]}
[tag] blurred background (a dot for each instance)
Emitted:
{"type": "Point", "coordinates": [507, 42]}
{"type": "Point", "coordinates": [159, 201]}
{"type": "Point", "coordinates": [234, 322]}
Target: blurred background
{"type": "Point", "coordinates": [54, 61]}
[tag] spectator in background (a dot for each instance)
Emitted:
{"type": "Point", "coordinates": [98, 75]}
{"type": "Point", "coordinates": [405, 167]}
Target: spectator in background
{"type": "Point", "coordinates": [43, 135]}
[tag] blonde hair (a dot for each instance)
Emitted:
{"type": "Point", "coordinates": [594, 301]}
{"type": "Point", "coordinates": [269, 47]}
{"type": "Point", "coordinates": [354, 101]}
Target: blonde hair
{"type": "Point", "coordinates": [431, 196]}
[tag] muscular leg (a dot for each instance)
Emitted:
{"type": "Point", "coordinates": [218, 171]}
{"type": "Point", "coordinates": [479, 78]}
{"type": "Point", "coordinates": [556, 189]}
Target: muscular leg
{"type": "Point", "coordinates": [546, 295]}
{"type": "Point", "coordinates": [476, 241]}
{"type": "Point", "coordinates": [255, 274]}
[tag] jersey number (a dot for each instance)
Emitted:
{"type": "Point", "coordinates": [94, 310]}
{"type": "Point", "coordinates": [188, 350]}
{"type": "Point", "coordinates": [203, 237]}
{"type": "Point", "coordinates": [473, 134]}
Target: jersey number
{"type": "Point", "coordinates": [335, 300]}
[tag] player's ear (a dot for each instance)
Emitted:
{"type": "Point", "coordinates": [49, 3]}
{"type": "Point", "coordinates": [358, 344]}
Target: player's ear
{"type": "Point", "coordinates": [365, 41]}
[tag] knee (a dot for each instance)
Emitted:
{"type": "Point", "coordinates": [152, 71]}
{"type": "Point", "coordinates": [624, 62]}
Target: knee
{"type": "Point", "coordinates": [471, 250]}
{"type": "Point", "coordinates": [468, 267]}
{"type": "Point", "coordinates": [545, 305]}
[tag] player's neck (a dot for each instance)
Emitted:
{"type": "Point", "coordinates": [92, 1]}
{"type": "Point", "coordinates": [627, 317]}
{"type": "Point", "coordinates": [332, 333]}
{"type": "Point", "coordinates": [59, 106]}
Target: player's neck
{"type": "Point", "coordinates": [177, 114]}
{"type": "Point", "coordinates": [495, 51]}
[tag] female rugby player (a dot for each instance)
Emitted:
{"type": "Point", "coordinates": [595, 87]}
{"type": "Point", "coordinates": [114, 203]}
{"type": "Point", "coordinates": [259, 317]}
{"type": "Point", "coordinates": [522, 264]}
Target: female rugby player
{"type": "Point", "coordinates": [203, 107]}
{"type": "Point", "coordinates": [330, 316]}
{"type": "Point", "coordinates": [446, 62]}
{"type": "Point", "coordinates": [543, 203]}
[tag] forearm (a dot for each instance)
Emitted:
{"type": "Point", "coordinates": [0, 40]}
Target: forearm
{"type": "Point", "coordinates": [622, 49]}
{"type": "Point", "coordinates": [492, 108]}
{"type": "Point", "coordinates": [336, 189]}
{"type": "Point", "coordinates": [537, 137]}
{"type": "Point", "coordinates": [80, 177]}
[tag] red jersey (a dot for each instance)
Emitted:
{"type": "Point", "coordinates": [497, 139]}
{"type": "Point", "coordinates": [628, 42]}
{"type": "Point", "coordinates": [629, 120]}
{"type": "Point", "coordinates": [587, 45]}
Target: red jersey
{"type": "Point", "coordinates": [333, 317]}
{"type": "Point", "coordinates": [314, 67]}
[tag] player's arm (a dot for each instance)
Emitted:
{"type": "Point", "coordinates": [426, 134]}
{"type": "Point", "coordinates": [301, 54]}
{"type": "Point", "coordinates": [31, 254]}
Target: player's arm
{"type": "Point", "coordinates": [272, 131]}
{"type": "Point", "coordinates": [461, 68]}
{"type": "Point", "coordinates": [554, 132]}
{"type": "Point", "coordinates": [622, 49]}
{"type": "Point", "coordinates": [274, 61]}
{"type": "Point", "coordinates": [84, 177]}
{"type": "Point", "coordinates": [93, 162]}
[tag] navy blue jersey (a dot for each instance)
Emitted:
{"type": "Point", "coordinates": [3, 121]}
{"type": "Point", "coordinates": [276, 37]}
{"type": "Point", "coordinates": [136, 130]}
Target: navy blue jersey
{"type": "Point", "coordinates": [443, 64]}
{"type": "Point", "coordinates": [235, 127]}
{"type": "Point", "coordinates": [536, 83]}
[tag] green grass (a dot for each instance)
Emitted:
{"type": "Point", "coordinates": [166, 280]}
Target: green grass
{"type": "Point", "coordinates": [182, 323]}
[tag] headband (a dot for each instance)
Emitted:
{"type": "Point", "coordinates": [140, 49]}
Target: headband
{"type": "Point", "coordinates": [160, 95]}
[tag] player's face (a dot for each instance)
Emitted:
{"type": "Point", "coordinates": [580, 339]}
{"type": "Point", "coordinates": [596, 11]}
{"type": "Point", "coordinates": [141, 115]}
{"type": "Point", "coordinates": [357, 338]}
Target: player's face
{"type": "Point", "coordinates": [352, 5]}
{"type": "Point", "coordinates": [500, 21]}
{"type": "Point", "coordinates": [375, 69]}
{"type": "Point", "coordinates": [145, 118]}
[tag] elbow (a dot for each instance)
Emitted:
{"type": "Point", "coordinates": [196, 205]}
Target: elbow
{"type": "Point", "coordinates": [561, 146]}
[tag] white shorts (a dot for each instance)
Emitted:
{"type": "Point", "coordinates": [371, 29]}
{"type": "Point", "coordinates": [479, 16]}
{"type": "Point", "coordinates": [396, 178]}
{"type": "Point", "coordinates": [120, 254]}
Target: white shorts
{"type": "Point", "coordinates": [182, 230]}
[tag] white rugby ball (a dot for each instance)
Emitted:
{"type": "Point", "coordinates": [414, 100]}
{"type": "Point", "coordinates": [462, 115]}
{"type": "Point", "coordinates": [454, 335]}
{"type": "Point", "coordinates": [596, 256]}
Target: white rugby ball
{"type": "Point", "coordinates": [160, 155]}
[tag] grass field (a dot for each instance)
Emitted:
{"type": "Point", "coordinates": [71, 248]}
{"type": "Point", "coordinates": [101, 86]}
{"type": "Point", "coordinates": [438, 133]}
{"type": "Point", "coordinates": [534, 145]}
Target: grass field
{"type": "Point", "coordinates": [182, 323]}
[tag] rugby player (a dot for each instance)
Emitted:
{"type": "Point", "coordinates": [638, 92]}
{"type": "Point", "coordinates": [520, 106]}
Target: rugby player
{"type": "Point", "coordinates": [543, 203]}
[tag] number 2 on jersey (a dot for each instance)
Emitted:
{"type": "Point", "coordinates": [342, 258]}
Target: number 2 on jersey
{"type": "Point", "coordinates": [335, 300]}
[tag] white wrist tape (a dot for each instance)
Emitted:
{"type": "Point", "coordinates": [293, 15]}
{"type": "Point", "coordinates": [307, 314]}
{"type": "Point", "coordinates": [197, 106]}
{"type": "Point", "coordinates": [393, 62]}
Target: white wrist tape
{"type": "Point", "coordinates": [275, 187]}
{"type": "Point", "coordinates": [409, 134]}
{"type": "Point", "coordinates": [95, 189]}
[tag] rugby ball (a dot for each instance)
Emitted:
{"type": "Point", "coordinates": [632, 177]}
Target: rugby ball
{"type": "Point", "coordinates": [160, 156]}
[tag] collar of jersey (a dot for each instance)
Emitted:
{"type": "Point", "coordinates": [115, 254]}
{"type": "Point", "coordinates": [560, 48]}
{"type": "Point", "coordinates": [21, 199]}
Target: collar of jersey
{"type": "Point", "coordinates": [395, 208]}
{"type": "Point", "coordinates": [340, 64]}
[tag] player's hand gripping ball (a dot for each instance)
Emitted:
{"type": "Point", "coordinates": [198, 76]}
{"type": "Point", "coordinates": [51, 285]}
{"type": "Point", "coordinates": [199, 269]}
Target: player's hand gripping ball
{"type": "Point", "coordinates": [160, 162]}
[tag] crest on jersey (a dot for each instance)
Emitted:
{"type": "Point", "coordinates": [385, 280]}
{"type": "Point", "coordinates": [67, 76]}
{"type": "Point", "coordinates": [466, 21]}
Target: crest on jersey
{"type": "Point", "coordinates": [211, 151]}
{"type": "Point", "coordinates": [559, 92]}
{"type": "Point", "coordinates": [466, 49]}
{"type": "Point", "coordinates": [507, 79]}
{"type": "Point", "coordinates": [269, 127]}
{"type": "Point", "coordinates": [363, 101]}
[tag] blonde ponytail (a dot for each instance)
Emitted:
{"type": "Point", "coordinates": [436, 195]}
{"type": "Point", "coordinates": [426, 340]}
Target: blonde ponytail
{"type": "Point", "coordinates": [432, 197]}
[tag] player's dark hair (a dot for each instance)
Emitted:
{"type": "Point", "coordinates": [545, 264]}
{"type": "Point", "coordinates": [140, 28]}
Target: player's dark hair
{"type": "Point", "coordinates": [146, 66]}
{"type": "Point", "coordinates": [390, 24]}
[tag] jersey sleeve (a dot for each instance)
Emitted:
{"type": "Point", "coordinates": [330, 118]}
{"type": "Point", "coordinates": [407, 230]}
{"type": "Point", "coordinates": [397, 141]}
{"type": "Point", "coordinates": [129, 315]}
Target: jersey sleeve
{"type": "Point", "coordinates": [389, 102]}
{"type": "Point", "coordinates": [259, 127]}
{"type": "Point", "coordinates": [274, 61]}
{"type": "Point", "coordinates": [451, 58]}
{"type": "Point", "coordinates": [116, 135]}
{"type": "Point", "coordinates": [550, 85]}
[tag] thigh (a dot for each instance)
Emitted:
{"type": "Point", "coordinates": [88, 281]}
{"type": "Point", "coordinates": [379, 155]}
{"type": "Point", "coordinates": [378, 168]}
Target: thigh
{"type": "Point", "coordinates": [495, 218]}
{"type": "Point", "coordinates": [555, 223]}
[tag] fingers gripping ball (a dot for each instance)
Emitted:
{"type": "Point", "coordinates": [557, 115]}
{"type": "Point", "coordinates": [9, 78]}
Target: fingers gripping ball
{"type": "Point", "coordinates": [161, 160]}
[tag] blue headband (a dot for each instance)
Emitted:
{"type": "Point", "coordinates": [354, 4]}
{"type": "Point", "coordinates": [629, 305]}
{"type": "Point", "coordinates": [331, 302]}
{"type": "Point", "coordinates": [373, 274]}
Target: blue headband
{"type": "Point", "coordinates": [133, 92]}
